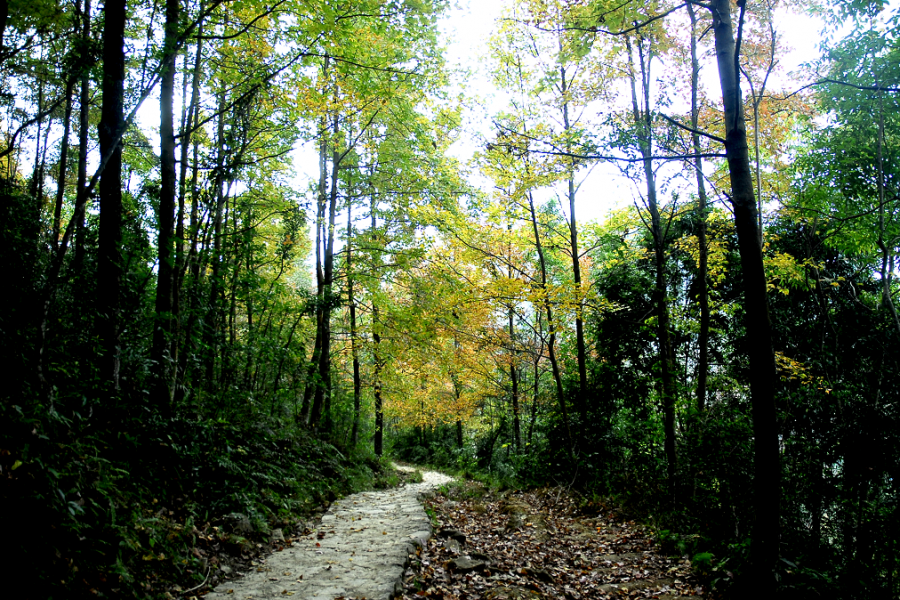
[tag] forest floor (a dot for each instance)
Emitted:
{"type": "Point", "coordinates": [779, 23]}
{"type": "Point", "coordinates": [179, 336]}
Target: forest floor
{"type": "Point", "coordinates": [539, 544]}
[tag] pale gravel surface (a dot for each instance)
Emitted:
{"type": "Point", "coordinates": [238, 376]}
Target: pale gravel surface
{"type": "Point", "coordinates": [366, 545]}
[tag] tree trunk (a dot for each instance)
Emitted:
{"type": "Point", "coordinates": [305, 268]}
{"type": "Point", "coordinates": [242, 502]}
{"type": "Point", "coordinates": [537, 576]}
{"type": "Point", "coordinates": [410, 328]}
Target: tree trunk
{"type": "Point", "coordinates": [703, 267]}
{"type": "Point", "coordinates": [112, 122]}
{"type": "Point", "coordinates": [36, 175]}
{"type": "Point", "coordinates": [161, 353]}
{"type": "Point", "coordinates": [580, 349]}
{"type": "Point", "coordinates": [551, 342]}
{"type": "Point", "coordinates": [643, 123]}
{"type": "Point", "coordinates": [309, 387]}
{"type": "Point", "coordinates": [63, 159]}
{"type": "Point", "coordinates": [213, 317]}
{"type": "Point", "coordinates": [187, 266]}
{"type": "Point", "coordinates": [537, 377]}
{"type": "Point", "coordinates": [322, 396]}
{"type": "Point", "coordinates": [767, 484]}
{"type": "Point", "coordinates": [514, 379]}
{"type": "Point", "coordinates": [354, 349]}
{"type": "Point", "coordinates": [376, 383]}
{"type": "Point", "coordinates": [4, 16]}
{"type": "Point", "coordinates": [887, 260]}
{"type": "Point", "coordinates": [83, 132]}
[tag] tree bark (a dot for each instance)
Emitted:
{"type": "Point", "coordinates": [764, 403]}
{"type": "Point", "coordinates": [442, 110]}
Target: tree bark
{"type": "Point", "coordinates": [83, 132]}
{"type": "Point", "coordinates": [376, 383]}
{"type": "Point", "coordinates": [213, 314]}
{"type": "Point", "coordinates": [767, 483]}
{"type": "Point", "coordinates": [514, 379]}
{"type": "Point", "coordinates": [551, 342]}
{"type": "Point", "coordinates": [322, 397]}
{"type": "Point", "coordinates": [4, 16]}
{"type": "Point", "coordinates": [162, 350]}
{"type": "Point", "coordinates": [378, 438]}
{"type": "Point", "coordinates": [309, 387]}
{"type": "Point", "coordinates": [580, 349]}
{"type": "Point", "coordinates": [644, 125]}
{"type": "Point", "coordinates": [112, 121]}
{"type": "Point", "coordinates": [703, 253]}
{"type": "Point", "coordinates": [354, 349]}
{"type": "Point", "coordinates": [188, 266]}
{"type": "Point", "coordinates": [37, 175]}
{"type": "Point", "coordinates": [887, 260]}
{"type": "Point", "coordinates": [63, 160]}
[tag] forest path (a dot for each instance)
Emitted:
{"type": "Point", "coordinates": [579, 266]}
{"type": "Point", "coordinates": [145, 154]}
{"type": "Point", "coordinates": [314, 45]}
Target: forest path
{"type": "Point", "coordinates": [540, 545]}
{"type": "Point", "coordinates": [358, 551]}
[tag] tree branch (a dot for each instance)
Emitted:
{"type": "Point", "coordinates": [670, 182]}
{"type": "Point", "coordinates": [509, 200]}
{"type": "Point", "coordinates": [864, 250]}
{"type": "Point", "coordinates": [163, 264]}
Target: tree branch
{"type": "Point", "coordinates": [692, 130]}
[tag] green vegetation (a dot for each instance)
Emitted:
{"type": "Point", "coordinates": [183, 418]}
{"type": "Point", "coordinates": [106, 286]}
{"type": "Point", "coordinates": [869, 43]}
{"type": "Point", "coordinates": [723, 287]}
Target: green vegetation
{"type": "Point", "coordinates": [203, 342]}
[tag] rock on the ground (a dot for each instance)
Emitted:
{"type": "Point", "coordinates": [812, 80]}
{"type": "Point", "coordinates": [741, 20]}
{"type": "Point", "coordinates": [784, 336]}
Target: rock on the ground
{"type": "Point", "coordinates": [453, 534]}
{"type": "Point", "coordinates": [277, 537]}
{"type": "Point", "coordinates": [511, 592]}
{"type": "Point", "coordinates": [240, 523]}
{"type": "Point", "coordinates": [467, 565]}
{"type": "Point", "coordinates": [365, 547]}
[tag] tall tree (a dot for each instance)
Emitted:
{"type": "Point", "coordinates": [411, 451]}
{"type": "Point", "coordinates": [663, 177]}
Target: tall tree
{"type": "Point", "coordinates": [641, 53]}
{"type": "Point", "coordinates": [112, 124]}
{"type": "Point", "coordinates": [767, 467]}
{"type": "Point", "coordinates": [162, 352]}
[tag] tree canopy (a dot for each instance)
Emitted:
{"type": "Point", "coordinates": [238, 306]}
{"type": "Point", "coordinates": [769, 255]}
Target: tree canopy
{"type": "Point", "coordinates": [251, 248]}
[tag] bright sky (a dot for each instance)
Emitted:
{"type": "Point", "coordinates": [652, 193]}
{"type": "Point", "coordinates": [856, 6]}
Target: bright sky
{"type": "Point", "coordinates": [467, 30]}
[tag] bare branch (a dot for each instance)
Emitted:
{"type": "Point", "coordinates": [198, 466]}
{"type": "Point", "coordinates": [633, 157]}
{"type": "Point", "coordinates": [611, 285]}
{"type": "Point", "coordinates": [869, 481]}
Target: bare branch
{"type": "Point", "coordinates": [692, 130]}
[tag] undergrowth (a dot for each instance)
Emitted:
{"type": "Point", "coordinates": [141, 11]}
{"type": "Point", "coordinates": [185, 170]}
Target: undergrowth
{"type": "Point", "coordinates": [148, 508]}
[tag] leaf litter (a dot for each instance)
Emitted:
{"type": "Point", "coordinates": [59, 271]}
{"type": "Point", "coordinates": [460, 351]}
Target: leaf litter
{"type": "Point", "coordinates": [538, 545]}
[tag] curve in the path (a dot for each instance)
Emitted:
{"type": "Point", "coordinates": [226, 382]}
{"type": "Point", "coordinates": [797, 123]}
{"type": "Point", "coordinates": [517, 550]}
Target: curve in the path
{"type": "Point", "coordinates": [359, 550]}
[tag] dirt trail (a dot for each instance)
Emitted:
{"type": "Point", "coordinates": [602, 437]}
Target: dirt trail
{"type": "Point", "coordinates": [517, 546]}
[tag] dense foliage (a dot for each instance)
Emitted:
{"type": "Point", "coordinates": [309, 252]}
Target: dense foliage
{"type": "Point", "coordinates": [239, 301]}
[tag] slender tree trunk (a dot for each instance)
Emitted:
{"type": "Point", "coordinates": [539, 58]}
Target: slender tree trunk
{"type": "Point", "coordinates": [235, 259]}
{"type": "Point", "coordinates": [109, 276]}
{"type": "Point", "coordinates": [312, 384]}
{"type": "Point", "coordinates": [643, 122]}
{"type": "Point", "coordinates": [376, 383]}
{"type": "Point", "coordinates": [189, 139]}
{"type": "Point", "coordinates": [213, 313]}
{"type": "Point", "coordinates": [178, 389]}
{"type": "Point", "coordinates": [887, 260]}
{"type": "Point", "coordinates": [4, 16]}
{"type": "Point", "coordinates": [514, 379]}
{"type": "Point", "coordinates": [537, 382]}
{"type": "Point", "coordinates": [36, 175]}
{"type": "Point", "coordinates": [161, 352]}
{"type": "Point", "coordinates": [83, 132]}
{"type": "Point", "coordinates": [354, 349]}
{"type": "Point", "coordinates": [376, 346]}
{"type": "Point", "coordinates": [322, 396]}
{"type": "Point", "coordinates": [187, 265]}
{"type": "Point", "coordinates": [309, 387]}
{"type": "Point", "coordinates": [63, 159]}
{"type": "Point", "coordinates": [703, 251]}
{"type": "Point", "coordinates": [580, 348]}
{"type": "Point", "coordinates": [52, 279]}
{"type": "Point", "coordinates": [551, 342]}
{"type": "Point", "coordinates": [767, 476]}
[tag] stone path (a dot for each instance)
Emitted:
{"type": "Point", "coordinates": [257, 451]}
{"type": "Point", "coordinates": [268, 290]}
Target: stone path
{"type": "Point", "coordinates": [359, 551]}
